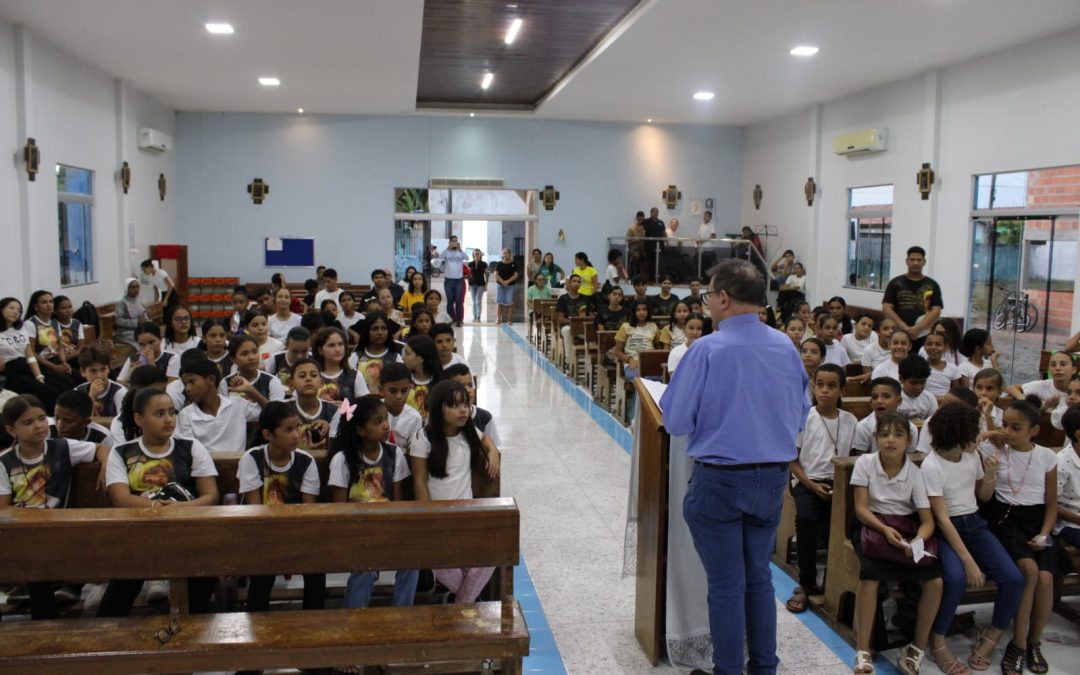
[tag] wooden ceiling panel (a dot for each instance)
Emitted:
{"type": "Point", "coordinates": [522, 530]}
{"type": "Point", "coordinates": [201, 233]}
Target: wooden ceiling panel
{"type": "Point", "coordinates": [463, 39]}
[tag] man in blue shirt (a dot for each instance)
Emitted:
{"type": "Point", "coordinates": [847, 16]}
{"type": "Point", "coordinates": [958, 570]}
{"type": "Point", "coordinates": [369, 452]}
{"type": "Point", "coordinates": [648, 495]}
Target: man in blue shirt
{"type": "Point", "coordinates": [454, 280]}
{"type": "Point", "coordinates": [742, 402]}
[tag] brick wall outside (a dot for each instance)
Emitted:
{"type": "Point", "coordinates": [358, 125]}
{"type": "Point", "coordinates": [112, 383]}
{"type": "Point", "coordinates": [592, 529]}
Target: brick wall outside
{"type": "Point", "coordinates": [1054, 187]}
{"type": "Point", "coordinates": [1058, 311]}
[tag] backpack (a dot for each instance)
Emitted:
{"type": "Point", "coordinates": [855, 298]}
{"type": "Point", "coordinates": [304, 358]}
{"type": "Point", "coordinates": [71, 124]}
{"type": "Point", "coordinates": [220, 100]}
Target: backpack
{"type": "Point", "coordinates": [87, 315]}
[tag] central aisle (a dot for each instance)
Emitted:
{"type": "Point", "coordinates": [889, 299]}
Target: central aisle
{"type": "Point", "coordinates": [570, 480]}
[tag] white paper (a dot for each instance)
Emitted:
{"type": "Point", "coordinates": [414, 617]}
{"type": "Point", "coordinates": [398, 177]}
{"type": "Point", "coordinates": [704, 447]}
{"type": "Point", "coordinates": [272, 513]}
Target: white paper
{"type": "Point", "coordinates": [918, 549]}
{"type": "Point", "coordinates": [274, 244]}
{"type": "Point", "coordinates": [655, 389]}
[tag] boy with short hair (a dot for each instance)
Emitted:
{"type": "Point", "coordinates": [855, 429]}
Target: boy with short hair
{"type": "Point", "coordinates": [641, 290]}
{"type": "Point", "coordinates": [395, 382]}
{"type": "Point", "coordinates": [916, 403]}
{"type": "Point", "coordinates": [240, 309]}
{"type": "Point", "coordinates": [1068, 477]}
{"type": "Point", "coordinates": [264, 300]}
{"type": "Point", "coordinates": [663, 304]}
{"type": "Point", "coordinates": [885, 395]}
{"type": "Point", "coordinates": [71, 420]}
{"type": "Point", "coordinates": [297, 346]}
{"type": "Point", "coordinates": [443, 335]}
{"type": "Point", "coordinates": [218, 422]}
{"type": "Point", "coordinates": [614, 314]}
{"type": "Point", "coordinates": [330, 290]}
{"type": "Point", "coordinates": [107, 396]}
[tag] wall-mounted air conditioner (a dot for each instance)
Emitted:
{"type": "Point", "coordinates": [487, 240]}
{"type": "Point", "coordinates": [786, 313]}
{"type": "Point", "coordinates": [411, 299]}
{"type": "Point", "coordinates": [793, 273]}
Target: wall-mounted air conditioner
{"type": "Point", "coordinates": [152, 139]}
{"type": "Point", "coordinates": [867, 140]}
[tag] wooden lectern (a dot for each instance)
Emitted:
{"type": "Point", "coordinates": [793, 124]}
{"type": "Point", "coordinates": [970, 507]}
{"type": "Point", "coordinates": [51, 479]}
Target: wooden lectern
{"type": "Point", "coordinates": [652, 445]}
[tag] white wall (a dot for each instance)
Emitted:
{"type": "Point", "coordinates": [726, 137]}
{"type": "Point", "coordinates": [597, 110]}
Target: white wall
{"type": "Point", "coordinates": [80, 116]}
{"type": "Point", "coordinates": [1012, 110]}
{"type": "Point", "coordinates": [332, 178]}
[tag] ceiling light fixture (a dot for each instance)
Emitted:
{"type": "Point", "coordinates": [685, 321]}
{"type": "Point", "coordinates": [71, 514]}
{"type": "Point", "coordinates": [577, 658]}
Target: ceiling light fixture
{"type": "Point", "coordinates": [649, 120]}
{"type": "Point", "coordinates": [300, 110]}
{"type": "Point", "coordinates": [472, 114]}
{"type": "Point", "coordinates": [269, 81]}
{"type": "Point", "coordinates": [804, 50]}
{"type": "Point", "coordinates": [219, 29]}
{"type": "Point", "coordinates": [512, 32]}
{"type": "Point", "coordinates": [486, 82]}
{"type": "Point", "coordinates": [704, 96]}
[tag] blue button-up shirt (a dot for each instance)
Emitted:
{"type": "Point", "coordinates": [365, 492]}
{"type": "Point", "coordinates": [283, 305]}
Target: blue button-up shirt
{"type": "Point", "coordinates": [739, 394]}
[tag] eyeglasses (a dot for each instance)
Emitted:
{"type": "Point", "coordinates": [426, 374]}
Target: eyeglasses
{"type": "Point", "coordinates": [182, 319]}
{"type": "Point", "coordinates": [166, 634]}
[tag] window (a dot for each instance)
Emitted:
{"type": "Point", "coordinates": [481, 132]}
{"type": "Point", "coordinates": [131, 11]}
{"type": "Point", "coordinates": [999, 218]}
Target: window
{"type": "Point", "coordinates": [75, 205]}
{"type": "Point", "coordinates": [869, 236]}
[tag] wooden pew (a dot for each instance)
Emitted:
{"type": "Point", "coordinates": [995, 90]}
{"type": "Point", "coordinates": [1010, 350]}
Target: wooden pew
{"type": "Point", "coordinates": [653, 362]}
{"type": "Point", "coordinates": [605, 371]}
{"type": "Point", "coordinates": [578, 343]}
{"type": "Point", "coordinates": [237, 541]}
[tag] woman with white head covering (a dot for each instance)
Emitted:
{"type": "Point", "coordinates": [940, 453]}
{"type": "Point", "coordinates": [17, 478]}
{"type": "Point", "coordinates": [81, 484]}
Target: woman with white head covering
{"type": "Point", "coordinates": [129, 313]}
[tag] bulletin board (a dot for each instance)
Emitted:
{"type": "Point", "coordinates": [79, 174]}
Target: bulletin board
{"type": "Point", "coordinates": [289, 252]}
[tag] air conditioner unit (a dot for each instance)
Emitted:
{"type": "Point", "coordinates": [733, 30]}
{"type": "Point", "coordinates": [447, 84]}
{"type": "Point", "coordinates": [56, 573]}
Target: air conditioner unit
{"type": "Point", "coordinates": [867, 140]}
{"type": "Point", "coordinates": [152, 139]}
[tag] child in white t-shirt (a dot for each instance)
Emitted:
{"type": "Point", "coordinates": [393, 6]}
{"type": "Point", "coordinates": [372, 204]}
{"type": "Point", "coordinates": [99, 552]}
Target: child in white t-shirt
{"type": "Point", "coordinates": [1052, 392]}
{"type": "Point", "coordinates": [968, 551]}
{"type": "Point", "coordinates": [1022, 514]}
{"type": "Point", "coordinates": [889, 493]}
{"type": "Point", "coordinates": [878, 352]}
{"type": "Point", "coordinates": [978, 351]}
{"type": "Point", "coordinates": [899, 348]}
{"type": "Point", "coordinates": [834, 351]}
{"type": "Point", "coordinates": [444, 454]}
{"type": "Point", "coordinates": [885, 395]}
{"type": "Point", "coordinates": [916, 403]}
{"type": "Point", "coordinates": [862, 335]}
{"type": "Point", "coordinates": [944, 375]}
{"type": "Point", "coordinates": [1068, 498]}
{"type": "Point", "coordinates": [829, 433]}
{"type": "Point", "coordinates": [695, 325]}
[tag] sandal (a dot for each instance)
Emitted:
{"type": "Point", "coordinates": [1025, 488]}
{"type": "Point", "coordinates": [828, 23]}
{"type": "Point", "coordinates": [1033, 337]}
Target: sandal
{"type": "Point", "coordinates": [798, 602]}
{"type": "Point", "coordinates": [979, 661]}
{"type": "Point", "coordinates": [1013, 661]}
{"type": "Point", "coordinates": [911, 661]}
{"type": "Point", "coordinates": [1036, 662]}
{"type": "Point", "coordinates": [864, 663]}
{"type": "Point", "coordinates": [953, 667]}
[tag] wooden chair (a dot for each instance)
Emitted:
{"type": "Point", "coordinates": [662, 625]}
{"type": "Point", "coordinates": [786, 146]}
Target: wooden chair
{"type": "Point", "coordinates": [232, 541]}
{"type": "Point", "coordinates": [605, 371]}
{"type": "Point", "coordinates": [653, 362]}
{"type": "Point", "coordinates": [589, 357]}
{"type": "Point", "coordinates": [578, 343]}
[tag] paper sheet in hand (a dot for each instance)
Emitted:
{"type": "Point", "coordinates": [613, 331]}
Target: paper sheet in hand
{"type": "Point", "coordinates": [656, 390]}
{"type": "Point", "coordinates": [918, 549]}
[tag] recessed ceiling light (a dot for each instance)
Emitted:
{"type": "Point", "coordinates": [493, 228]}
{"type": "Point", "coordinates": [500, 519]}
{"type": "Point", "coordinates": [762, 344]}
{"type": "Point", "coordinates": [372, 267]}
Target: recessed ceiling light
{"type": "Point", "coordinates": [219, 28]}
{"type": "Point", "coordinates": [269, 81]}
{"type": "Point", "coordinates": [472, 114]}
{"type": "Point", "coordinates": [704, 96]}
{"type": "Point", "coordinates": [486, 82]}
{"type": "Point", "coordinates": [300, 110]}
{"type": "Point", "coordinates": [804, 50]}
{"type": "Point", "coordinates": [649, 120]}
{"type": "Point", "coordinates": [511, 6]}
{"type": "Point", "coordinates": [511, 33]}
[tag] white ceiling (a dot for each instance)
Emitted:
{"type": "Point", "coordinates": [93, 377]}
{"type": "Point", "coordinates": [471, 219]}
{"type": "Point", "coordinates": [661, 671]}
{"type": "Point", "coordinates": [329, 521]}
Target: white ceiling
{"type": "Point", "coordinates": [361, 56]}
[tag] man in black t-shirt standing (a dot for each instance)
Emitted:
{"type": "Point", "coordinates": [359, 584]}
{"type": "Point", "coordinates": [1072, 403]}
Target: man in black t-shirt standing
{"type": "Point", "coordinates": [913, 300]}
{"type": "Point", "coordinates": [654, 227]}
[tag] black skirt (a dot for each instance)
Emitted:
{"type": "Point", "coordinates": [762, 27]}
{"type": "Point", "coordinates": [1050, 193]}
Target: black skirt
{"type": "Point", "coordinates": [875, 569]}
{"type": "Point", "coordinates": [1015, 525]}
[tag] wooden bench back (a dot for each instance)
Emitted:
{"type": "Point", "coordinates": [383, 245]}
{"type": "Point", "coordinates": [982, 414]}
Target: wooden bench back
{"type": "Point", "coordinates": [652, 362]}
{"type": "Point", "coordinates": [605, 341]}
{"type": "Point", "coordinates": [859, 406]}
{"type": "Point", "coordinates": [578, 324]}
{"type": "Point", "coordinates": [177, 542]}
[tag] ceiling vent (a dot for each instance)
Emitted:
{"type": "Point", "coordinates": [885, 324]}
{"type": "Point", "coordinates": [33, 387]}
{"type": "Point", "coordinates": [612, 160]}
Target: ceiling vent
{"type": "Point", "coordinates": [465, 183]}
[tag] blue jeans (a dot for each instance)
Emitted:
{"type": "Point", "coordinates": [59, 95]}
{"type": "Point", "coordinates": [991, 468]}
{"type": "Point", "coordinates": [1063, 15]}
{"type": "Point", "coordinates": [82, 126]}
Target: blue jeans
{"type": "Point", "coordinates": [992, 559]}
{"type": "Point", "coordinates": [360, 585]}
{"type": "Point", "coordinates": [733, 515]}
{"type": "Point", "coordinates": [455, 291]}
{"type": "Point", "coordinates": [477, 301]}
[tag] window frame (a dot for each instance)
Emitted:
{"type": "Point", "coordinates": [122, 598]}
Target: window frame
{"type": "Point", "coordinates": [852, 218]}
{"type": "Point", "coordinates": [86, 199]}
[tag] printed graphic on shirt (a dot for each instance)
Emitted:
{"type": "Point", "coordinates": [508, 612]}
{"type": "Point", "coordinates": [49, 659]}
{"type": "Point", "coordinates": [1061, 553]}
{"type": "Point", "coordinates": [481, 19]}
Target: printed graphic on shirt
{"type": "Point", "coordinates": [29, 486]}
{"type": "Point", "coordinates": [147, 475]}
{"type": "Point", "coordinates": [371, 368]}
{"type": "Point", "coordinates": [68, 336]}
{"type": "Point", "coordinates": [47, 340]}
{"type": "Point", "coordinates": [276, 489]}
{"type": "Point", "coordinates": [417, 399]}
{"type": "Point", "coordinates": [369, 487]}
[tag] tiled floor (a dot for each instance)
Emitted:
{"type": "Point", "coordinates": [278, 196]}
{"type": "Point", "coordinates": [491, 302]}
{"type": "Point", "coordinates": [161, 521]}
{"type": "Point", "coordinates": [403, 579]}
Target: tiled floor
{"type": "Point", "coordinates": [570, 479]}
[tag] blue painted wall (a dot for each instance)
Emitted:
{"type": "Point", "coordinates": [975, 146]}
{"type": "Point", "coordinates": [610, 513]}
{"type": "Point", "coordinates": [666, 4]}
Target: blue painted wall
{"type": "Point", "coordinates": [332, 178]}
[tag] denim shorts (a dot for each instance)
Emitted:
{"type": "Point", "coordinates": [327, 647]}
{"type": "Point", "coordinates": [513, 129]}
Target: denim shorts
{"type": "Point", "coordinates": [505, 295]}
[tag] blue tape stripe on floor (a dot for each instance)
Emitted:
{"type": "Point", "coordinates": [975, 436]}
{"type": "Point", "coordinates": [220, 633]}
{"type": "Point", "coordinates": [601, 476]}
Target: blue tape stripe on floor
{"type": "Point", "coordinates": [784, 585]}
{"type": "Point", "coordinates": [544, 656]}
{"type": "Point", "coordinates": [611, 426]}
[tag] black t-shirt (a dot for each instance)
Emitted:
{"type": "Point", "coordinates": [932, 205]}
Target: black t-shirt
{"type": "Point", "coordinates": [659, 306]}
{"type": "Point", "coordinates": [911, 299]}
{"type": "Point", "coordinates": [477, 270]}
{"type": "Point", "coordinates": [505, 270]}
{"type": "Point", "coordinates": [571, 307]}
{"type": "Point", "coordinates": [610, 319]}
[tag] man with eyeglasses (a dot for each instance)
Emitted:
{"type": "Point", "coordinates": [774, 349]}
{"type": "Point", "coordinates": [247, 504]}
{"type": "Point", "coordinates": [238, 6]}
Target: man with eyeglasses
{"type": "Point", "coordinates": [739, 396]}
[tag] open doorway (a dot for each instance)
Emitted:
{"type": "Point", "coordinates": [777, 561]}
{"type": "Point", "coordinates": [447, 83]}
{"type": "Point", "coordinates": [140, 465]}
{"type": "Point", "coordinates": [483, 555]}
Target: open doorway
{"type": "Point", "coordinates": [487, 220]}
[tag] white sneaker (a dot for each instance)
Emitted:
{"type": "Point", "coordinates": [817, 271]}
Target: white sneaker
{"type": "Point", "coordinates": [157, 591]}
{"type": "Point", "coordinates": [93, 597]}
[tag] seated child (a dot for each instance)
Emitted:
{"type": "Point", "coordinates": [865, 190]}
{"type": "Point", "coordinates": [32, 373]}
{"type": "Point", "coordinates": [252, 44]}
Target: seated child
{"type": "Point", "coordinates": [148, 337]}
{"type": "Point", "coordinates": [879, 351]}
{"type": "Point", "coordinates": [916, 403]}
{"type": "Point", "coordinates": [988, 385]}
{"type": "Point", "coordinates": [277, 472]}
{"type": "Point", "coordinates": [861, 336]}
{"type": "Point", "coordinates": [889, 493]}
{"type": "Point", "coordinates": [1072, 399]}
{"type": "Point", "coordinates": [899, 348]}
{"type": "Point", "coordinates": [961, 395]}
{"type": "Point", "coordinates": [395, 383]}
{"type": "Point", "coordinates": [72, 420]}
{"type": "Point", "coordinates": [123, 428]}
{"type": "Point", "coordinates": [215, 344]}
{"type": "Point", "coordinates": [978, 350]}
{"type": "Point", "coordinates": [828, 433]}
{"type": "Point", "coordinates": [366, 467]}
{"type": "Point", "coordinates": [444, 454]}
{"type": "Point", "coordinates": [254, 386]}
{"type": "Point", "coordinates": [827, 332]}
{"type": "Point", "coordinates": [674, 334]}
{"type": "Point", "coordinates": [884, 397]}
{"type": "Point", "coordinates": [217, 421]}
{"type": "Point", "coordinates": [1052, 392]}
{"type": "Point", "coordinates": [158, 466]}
{"type": "Point", "coordinates": [340, 381]}
{"type": "Point", "coordinates": [484, 420]}
{"type": "Point", "coordinates": [257, 328]}
{"type": "Point", "coordinates": [94, 363]}
{"type": "Point", "coordinates": [433, 301]}
{"type": "Point", "coordinates": [36, 473]}
{"type": "Point", "coordinates": [297, 346]}
{"type": "Point", "coordinates": [944, 375]}
{"type": "Point", "coordinates": [348, 316]}
{"type": "Point", "coordinates": [695, 325]}
{"type": "Point", "coordinates": [318, 417]}
{"type": "Point", "coordinates": [443, 335]}
{"type": "Point", "coordinates": [638, 334]}
{"type": "Point", "coordinates": [240, 306]}
{"type": "Point", "coordinates": [375, 348]}
{"type": "Point", "coordinates": [795, 329]}
{"type": "Point", "coordinates": [663, 304]}
{"type": "Point", "coordinates": [613, 314]}
{"type": "Point", "coordinates": [422, 359]}
{"type": "Point", "coordinates": [812, 352]}
{"type": "Point", "coordinates": [1068, 462]}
